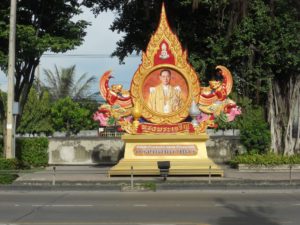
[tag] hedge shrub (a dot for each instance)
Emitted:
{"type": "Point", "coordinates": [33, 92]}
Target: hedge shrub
{"type": "Point", "coordinates": [32, 152]}
{"type": "Point", "coordinates": [269, 159]}
{"type": "Point", "coordinates": [255, 132]}
{"type": "Point", "coordinates": [8, 164]}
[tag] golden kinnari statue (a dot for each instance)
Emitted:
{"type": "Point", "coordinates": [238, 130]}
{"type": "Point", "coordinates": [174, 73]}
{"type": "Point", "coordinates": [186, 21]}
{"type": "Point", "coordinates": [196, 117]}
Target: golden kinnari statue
{"type": "Point", "coordinates": [166, 112]}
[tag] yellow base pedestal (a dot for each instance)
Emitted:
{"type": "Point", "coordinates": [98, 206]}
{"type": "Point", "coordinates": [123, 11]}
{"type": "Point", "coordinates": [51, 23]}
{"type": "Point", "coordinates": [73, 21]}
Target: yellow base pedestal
{"type": "Point", "coordinates": [186, 153]}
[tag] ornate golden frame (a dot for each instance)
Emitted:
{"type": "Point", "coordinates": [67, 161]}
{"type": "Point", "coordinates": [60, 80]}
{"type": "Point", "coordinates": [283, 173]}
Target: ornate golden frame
{"type": "Point", "coordinates": [164, 33]}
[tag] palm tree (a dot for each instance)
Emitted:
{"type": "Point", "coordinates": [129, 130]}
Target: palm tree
{"type": "Point", "coordinates": [61, 83]}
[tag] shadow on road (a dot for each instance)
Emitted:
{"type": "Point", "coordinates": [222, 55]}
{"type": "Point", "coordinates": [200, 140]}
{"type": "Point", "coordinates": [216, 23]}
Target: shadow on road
{"type": "Point", "coordinates": [245, 216]}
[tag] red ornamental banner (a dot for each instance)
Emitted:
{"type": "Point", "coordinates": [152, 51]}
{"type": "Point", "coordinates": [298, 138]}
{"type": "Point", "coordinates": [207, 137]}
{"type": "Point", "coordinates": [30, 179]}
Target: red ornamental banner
{"type": "Point", "coordinates": [165, 128]}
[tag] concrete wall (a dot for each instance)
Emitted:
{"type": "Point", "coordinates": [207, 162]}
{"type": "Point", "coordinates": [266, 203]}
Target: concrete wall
{"type": "Point", "coordinates": [223, 145]}
{"type": "Point", "coordinates": [84, 150]}
{"type": "Point", "coordinates": [99, 150]}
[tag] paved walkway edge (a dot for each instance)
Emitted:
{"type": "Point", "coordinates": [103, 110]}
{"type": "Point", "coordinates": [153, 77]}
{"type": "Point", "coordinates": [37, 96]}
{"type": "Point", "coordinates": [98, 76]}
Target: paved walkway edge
{"type": "Point", "coordinates": [152, 186]}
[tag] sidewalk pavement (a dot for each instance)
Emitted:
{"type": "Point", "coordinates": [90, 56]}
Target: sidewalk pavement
{"type": "Point", "coordinates": [96, 178]}
{"type": "Point", "coordinates": [100, 174]}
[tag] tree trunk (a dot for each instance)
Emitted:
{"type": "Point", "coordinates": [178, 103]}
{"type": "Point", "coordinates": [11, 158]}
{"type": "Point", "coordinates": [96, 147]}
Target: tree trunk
{"type": "Point", "coordinates": [283, 116]}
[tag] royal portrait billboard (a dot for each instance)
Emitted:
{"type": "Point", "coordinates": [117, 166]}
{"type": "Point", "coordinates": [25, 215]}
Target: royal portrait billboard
{"type": "Point", "coordinates": [164, 91]}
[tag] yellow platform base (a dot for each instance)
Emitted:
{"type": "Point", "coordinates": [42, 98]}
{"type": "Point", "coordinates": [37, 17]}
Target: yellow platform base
{"type": "Point", "coordinates": [186, 153]}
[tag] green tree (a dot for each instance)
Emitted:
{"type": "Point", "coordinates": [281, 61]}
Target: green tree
{"type": "Point", "coordinates": [263, 49]}
{"type": "Point", "coordinates": [68, 116]}
{"type": "Point", "coordinates": [41, 26]}
{"type": "Point", "coordinates": [36, 115]}
{"type": "Point", "coordinates": [61, 83]}
{"type": "Point", "coordinates": [92, 106]}
{"type": "Point", "coordinates": [257, 39]}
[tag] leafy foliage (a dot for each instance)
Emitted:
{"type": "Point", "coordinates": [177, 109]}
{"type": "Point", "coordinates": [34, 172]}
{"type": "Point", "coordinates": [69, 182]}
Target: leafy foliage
{"type": "Point", "coordinates": [61, 83]}
{"type": "Point", "coordinates": [68, 116]}
{"type": "Point", "coordinates": [255, 133]}
{"type": "Point", "coordinates": [32, 152]}
{"type": "Point", "coordinates": [257, 40]}
{"type": "Point", "coordinates": [91, 106]}
{"type": "Point", "coordinates": [36, 117]}
{"type": "Point", "coordinates": [8, 178]}
{"type": "Point", "coordinates": [269, 159]}
{"type": "Point", "coordinates": [254, 130]}
{"type": "Point", "coordinates": [222, 123]}
{"type": "Point", "coordinates": [41, 27]}
{"type": "Point", "coordinates": [7, 164]}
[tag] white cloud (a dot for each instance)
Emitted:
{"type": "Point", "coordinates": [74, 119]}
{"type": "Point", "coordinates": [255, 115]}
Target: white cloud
{"type": "Point", "coordinates": [99, 40]}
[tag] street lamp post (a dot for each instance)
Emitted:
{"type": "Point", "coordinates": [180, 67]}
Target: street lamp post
{"type": "Point", "coordinates": [10, 126]}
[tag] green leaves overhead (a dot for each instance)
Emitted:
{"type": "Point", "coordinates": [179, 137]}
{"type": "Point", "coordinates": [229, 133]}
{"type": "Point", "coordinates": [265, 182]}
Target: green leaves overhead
{"type": "Point", "coordinates": [41, 26]}
{"type": "Point", "coordinates": [258, 40]}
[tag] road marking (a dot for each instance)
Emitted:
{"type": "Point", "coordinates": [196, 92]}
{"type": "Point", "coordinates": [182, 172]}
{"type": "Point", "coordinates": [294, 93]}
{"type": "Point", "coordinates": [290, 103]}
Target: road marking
{"type": "Point", "coordinates": [159, 224]}
{"type": "Point", "coordinates": [8, 224]}
{"type": "Point", "coordinates": [219, 205]}
{"type": "Point", "coordinates": [296, 204]}
{"type": "Point", "coordinates": [97, 223]}
{"type": "Point", "coordinates": [62, 205]}
{"type": "Point", "coordinates": [140, 205]}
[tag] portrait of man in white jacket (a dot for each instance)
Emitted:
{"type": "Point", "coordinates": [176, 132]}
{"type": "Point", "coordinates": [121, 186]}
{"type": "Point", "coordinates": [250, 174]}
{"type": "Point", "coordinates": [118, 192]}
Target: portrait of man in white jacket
{"type": "Point", "coordinates": [165, 98]}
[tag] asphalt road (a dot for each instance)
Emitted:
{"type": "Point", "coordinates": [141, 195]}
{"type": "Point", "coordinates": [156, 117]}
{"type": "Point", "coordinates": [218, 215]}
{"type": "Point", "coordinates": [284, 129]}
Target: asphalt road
{"type": "Point", "coordinates": [151, 208]}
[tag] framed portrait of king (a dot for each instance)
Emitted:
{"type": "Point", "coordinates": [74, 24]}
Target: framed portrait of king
{"type": "Point", "coordinates": [164, 93]}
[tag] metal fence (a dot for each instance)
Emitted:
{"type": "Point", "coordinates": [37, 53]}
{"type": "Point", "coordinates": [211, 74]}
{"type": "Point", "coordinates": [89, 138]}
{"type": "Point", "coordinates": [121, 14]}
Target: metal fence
{"type": "Point", "coordinates": [54, 174]}
{"type": "Point", "coordinates": [110, 132]}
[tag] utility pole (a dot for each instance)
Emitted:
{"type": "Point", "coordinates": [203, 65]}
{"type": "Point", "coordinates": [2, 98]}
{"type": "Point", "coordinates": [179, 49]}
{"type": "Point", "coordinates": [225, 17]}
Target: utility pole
{"type": "Point", "coordinates": [10, 126]}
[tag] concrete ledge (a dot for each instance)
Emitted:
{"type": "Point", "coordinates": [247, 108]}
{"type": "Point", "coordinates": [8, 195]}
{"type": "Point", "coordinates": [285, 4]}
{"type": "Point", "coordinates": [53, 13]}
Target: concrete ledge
{"type": "Point", "coordinates": [271, 168]}
{"type": "Point", "coordinates": [159, 184]}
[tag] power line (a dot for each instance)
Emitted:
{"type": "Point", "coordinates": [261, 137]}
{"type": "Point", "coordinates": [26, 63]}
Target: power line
{"type": "Point", "coordinates": [51, 55]}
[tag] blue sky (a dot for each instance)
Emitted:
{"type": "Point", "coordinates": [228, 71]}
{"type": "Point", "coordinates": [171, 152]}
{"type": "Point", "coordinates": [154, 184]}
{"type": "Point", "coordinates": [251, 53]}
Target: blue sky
{"type": "Point", "coordinates": [100, 41]}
